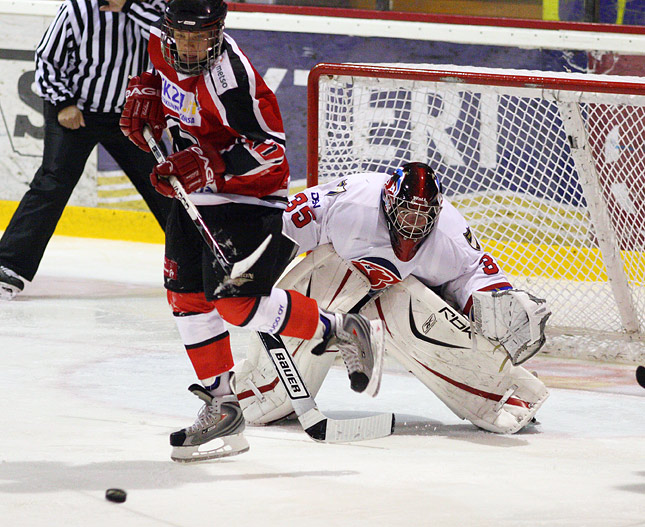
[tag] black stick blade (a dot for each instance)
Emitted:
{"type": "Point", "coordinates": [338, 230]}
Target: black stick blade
{"type": "Point", "coordinates": [318, 432]}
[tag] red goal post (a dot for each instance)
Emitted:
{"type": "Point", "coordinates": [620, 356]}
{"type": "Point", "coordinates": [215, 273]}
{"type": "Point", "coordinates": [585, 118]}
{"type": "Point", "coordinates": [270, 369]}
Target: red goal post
{"type": "Point", "coordinates": [548, 168]}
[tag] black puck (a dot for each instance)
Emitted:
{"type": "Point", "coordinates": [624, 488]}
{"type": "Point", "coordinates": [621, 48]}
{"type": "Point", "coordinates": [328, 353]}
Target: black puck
{"type": "Point", "coordinates": [116, 495]}
{"type": "Point", "coordinates": [640, 375]}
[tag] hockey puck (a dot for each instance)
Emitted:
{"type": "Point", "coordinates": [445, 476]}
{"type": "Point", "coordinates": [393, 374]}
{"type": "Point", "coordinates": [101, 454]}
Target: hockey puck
{"type": "Point", "coordinates": [116, 495]}
{"type": "Point", "coordinates": [640, 375]}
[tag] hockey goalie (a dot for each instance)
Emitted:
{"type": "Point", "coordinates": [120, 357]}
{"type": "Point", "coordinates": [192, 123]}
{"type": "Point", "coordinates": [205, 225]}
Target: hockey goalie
{"type": "Point", "coordinates": [391, 247]}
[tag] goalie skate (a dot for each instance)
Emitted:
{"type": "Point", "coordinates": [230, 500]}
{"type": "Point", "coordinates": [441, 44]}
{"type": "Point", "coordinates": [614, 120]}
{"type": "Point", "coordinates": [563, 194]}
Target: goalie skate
{"type": "Point", "coordinates": [216, 433]}
{"type": "Point", "coordinates": [361, 345]}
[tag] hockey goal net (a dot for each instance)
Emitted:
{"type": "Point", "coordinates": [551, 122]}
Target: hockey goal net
{"type": "Point", "coordinates": [548, 168]}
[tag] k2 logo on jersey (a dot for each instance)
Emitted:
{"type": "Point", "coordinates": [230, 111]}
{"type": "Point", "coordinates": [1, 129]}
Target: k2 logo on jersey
{"type": "Point", "coordinates": [183, 103]}
{"type": "Point", "coordinates": [380, 272]}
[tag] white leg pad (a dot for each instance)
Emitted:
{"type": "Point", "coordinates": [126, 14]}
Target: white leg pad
{"type": "Point", "coordinates": [432, 340]}
{"type": "Point", "coordinates": [337, 286]}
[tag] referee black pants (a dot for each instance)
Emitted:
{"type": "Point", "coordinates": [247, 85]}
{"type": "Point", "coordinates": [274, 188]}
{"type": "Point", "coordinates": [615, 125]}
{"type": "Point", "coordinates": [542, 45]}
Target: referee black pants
{"type": "Point", "coordinates": [64, 156]}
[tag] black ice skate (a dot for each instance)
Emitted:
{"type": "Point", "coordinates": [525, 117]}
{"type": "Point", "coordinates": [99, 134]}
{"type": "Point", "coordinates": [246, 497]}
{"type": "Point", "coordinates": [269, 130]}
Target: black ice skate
{"type": "Point", "coordinates": [216, 433]}
{"type": "Point", "coordinates": [10, 283]}
{"type": "Point", "coordinates": [361, 343]}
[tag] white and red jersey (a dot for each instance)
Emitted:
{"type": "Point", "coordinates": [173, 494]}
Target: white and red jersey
{"type": "Point", "coordinates": [230, 109]}
{"type": "Point", "coordinates": [347, 213]}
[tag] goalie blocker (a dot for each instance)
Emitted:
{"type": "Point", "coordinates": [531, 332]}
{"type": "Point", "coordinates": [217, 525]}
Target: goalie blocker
{"type": "Point", "coordinates": [473, 377]}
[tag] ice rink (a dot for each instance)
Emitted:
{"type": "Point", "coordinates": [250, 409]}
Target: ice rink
{"type": "Point", "coordinates": [94, 379]}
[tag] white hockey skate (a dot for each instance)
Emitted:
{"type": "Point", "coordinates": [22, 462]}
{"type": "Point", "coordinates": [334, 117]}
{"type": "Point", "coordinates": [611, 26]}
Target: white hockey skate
{"type": "Point", "coordinates": [10, 283]}
{"type": "Point", "coordinates": [361, 344]}
{"type": "Point", "coordinates": [216, 433]}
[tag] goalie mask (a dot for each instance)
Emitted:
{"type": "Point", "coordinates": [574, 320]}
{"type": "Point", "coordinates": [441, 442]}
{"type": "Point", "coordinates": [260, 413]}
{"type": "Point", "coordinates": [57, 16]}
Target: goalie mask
{"type": "Point", "coordinates": [411, 201]}
{"type": "Point", "coordinates": [192, 33]}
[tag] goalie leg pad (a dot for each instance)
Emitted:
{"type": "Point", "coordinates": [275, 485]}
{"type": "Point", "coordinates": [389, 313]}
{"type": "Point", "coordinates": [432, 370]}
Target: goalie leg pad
{"type": "Point", "coordinates": [432, 340]}
{"type": "Point", "coordinates": [337, 286]}
{"type": "Point", "coordinates": [262, 396]}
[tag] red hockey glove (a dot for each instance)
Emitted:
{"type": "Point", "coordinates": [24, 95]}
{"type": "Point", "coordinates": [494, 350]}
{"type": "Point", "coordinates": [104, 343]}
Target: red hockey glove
{"type": "Point", "coordinates": [143, 107]}
{"type": "Point", "coordinates": [193, 167]}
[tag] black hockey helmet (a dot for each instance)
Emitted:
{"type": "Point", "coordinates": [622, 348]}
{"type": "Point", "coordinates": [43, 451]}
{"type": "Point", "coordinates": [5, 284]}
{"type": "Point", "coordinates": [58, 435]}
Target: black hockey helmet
{"type": "Point", "coordinates": [198, 26]}
{"type": "Point", "coordinates": [411, 201]}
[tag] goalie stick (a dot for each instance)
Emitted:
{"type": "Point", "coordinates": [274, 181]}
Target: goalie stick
{"type": "Point", "coordinates": [317, 425]}
{"type": "Point", "coordinates": [640, 375]}
{"type": "Point", "coordinates": [232, 270]}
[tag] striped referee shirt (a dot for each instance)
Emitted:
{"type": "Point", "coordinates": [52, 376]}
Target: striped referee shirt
{"type": "Point", "coordinates": [86, 56]}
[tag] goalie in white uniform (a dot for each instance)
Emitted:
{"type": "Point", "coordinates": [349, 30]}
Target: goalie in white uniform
{"type": "Point", "coordinates": [392, 247]}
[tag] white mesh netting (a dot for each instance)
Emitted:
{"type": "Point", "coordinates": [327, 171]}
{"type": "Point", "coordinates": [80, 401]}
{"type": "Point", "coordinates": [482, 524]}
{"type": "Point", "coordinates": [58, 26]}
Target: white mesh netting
{"type": "Point", "coordinates": [551, 181]}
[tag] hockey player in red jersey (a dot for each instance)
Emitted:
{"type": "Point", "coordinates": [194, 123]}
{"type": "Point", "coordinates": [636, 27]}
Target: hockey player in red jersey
{"type": "Point", "coordinates": [229, 154]}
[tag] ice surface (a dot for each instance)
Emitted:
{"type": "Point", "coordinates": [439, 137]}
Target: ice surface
{"type": "Point", "coordinates": [94, 378]}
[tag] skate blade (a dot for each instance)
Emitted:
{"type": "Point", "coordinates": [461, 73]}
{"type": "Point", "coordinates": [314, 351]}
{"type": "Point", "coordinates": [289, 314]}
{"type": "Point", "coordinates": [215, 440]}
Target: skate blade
{"type": "Point", "coordinates": [8, 293]}
{"type": "Point", "coordinates": [377, 337]}
{"type": "Point", "coordinates": [229, 446]}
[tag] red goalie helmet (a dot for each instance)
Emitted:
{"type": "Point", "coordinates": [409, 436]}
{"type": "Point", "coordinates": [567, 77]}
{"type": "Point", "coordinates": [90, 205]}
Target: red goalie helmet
{"type": "Point", "coordinates": [192, 33]}
{"type": "Point", "coordinates": [411, 201]}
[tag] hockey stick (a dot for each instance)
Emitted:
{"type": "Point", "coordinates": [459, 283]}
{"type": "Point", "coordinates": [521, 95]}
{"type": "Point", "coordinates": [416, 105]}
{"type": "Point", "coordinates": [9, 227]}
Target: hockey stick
{"type": "Point", "coordinates": [232, 270]}
{"type": "Point", "coordinates": [317, 425]}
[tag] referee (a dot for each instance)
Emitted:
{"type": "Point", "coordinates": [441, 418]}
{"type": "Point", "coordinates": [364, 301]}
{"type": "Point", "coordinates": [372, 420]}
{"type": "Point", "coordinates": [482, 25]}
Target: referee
{"type": "Point", "coordinates": [83, 64]}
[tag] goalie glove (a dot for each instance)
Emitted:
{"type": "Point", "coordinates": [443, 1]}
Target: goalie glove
{"type": "Point", "coordinates": [512, 318]}
{"type": "Point", "coordinates": [193, 167]}
{"type": "Point", "coordinates": [143, 107]}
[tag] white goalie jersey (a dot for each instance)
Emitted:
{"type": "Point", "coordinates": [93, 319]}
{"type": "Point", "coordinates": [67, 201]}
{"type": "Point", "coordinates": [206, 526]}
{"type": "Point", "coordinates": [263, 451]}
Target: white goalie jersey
{"type": "Point", "coordinates": [346, 213]}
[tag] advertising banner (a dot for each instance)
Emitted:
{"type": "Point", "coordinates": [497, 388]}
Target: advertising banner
{"type": "Point", "coordinates": [284, 59]}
